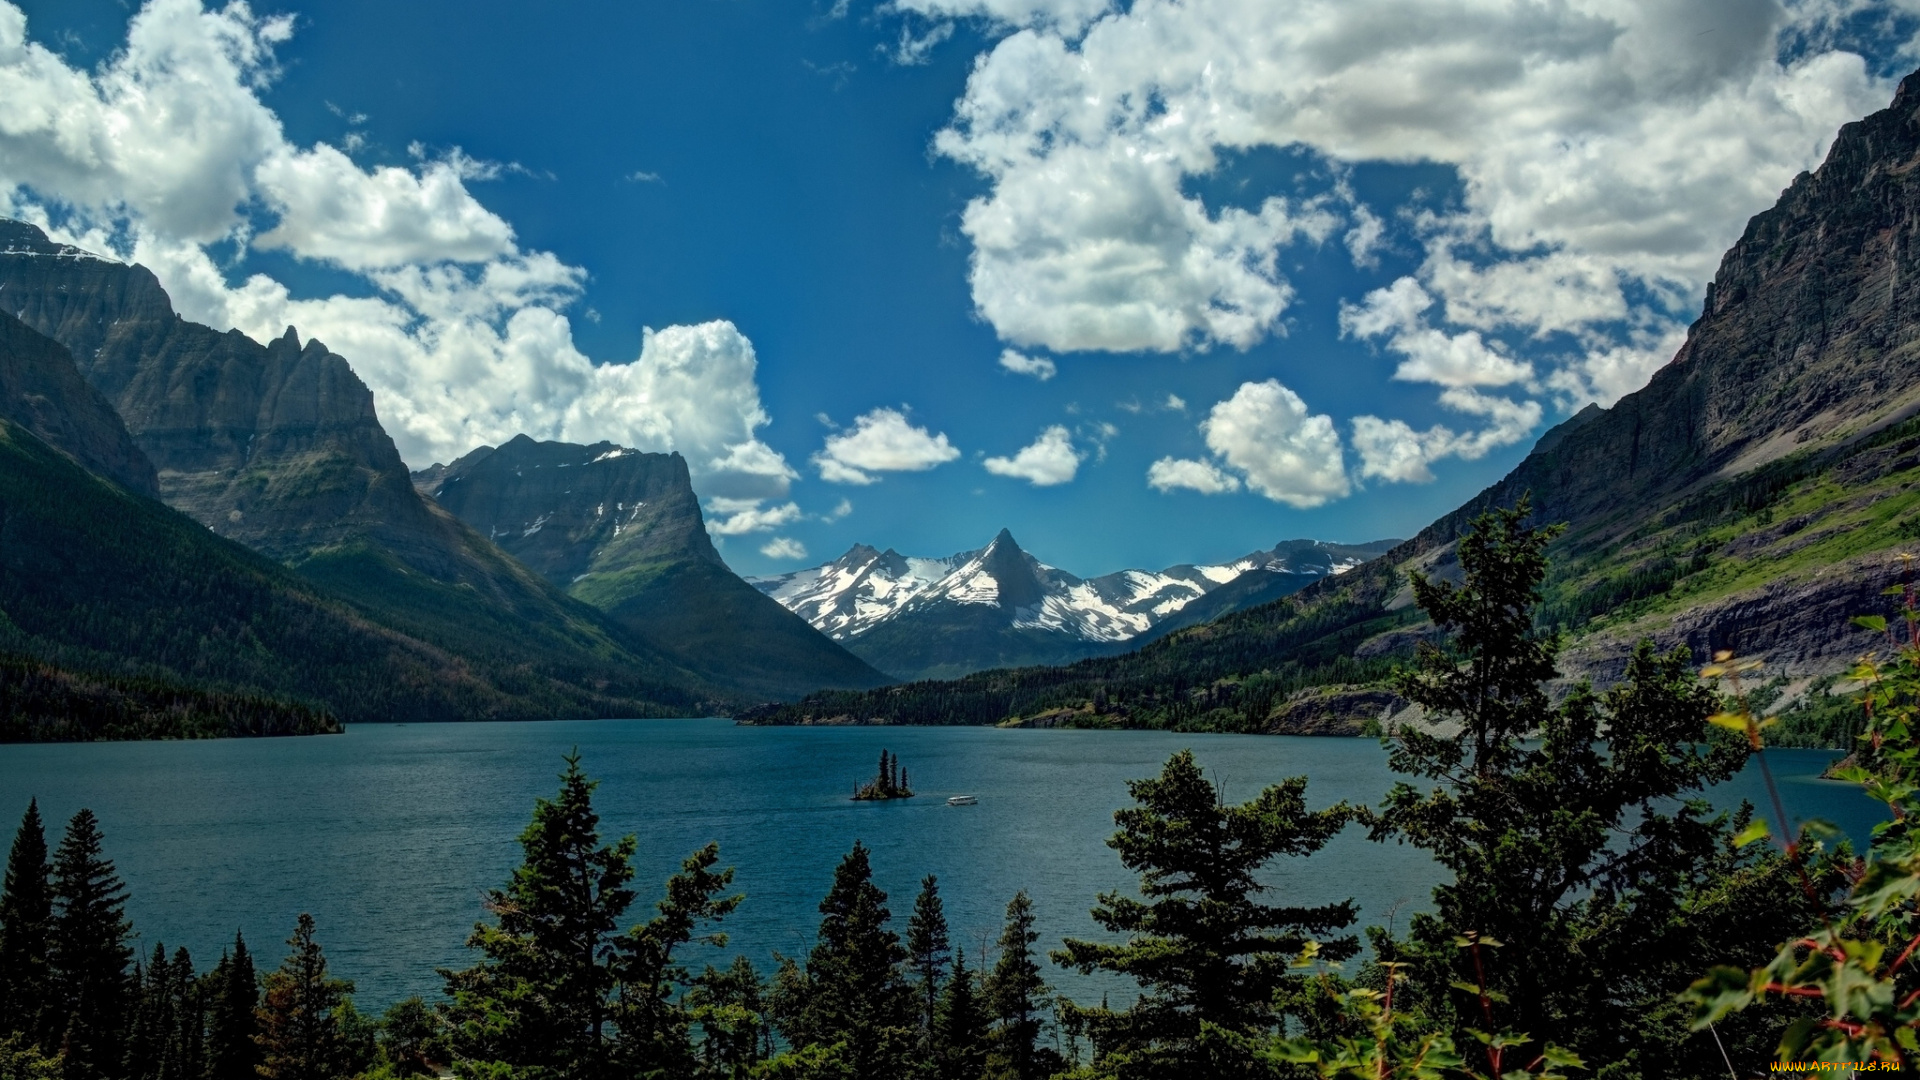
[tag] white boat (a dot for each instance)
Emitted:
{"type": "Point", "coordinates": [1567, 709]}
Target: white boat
{"type": "Point", "coordinates": [962, 800]}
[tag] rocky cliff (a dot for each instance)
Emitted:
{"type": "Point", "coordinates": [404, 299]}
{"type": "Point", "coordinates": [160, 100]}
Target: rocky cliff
{"type": "Point", "coordinates": [42, 391]}
{"type": "Point", "coordinates": [622, 530]}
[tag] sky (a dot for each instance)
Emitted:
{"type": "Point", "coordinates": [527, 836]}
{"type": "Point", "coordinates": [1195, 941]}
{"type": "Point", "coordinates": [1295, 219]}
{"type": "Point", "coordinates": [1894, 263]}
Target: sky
{"type": "Point", "coordinates": [1146, 282]}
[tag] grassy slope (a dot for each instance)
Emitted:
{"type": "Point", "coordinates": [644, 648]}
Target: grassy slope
{"type": "Point", "coordinates": [111, 586]}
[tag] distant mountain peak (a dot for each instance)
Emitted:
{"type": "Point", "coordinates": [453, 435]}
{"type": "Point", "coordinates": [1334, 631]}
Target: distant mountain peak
{"type": "Point", "coordinates": [21, 238]}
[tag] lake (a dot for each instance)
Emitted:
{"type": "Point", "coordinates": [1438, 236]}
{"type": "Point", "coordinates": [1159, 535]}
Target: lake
{"type": "Point", "coordinates": [389, 834]}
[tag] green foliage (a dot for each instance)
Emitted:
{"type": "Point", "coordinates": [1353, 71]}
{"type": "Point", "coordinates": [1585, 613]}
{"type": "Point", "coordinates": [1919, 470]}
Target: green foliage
{"type": "Point", "coordinates": [853, 993]}
{"type": "Point", "coordinates": [1526, 807]}
{"type": "Point", "coordinates": [41, 702]}
{"type": "Point", "coordinates": [411, 1038]}
{"type": "Point", "coordinates": [1211, 958]}
{"type": "Point", "coordinates": [233, 1001]}
{"type": "Point", "coordinates": [729, 1007]}
{"type": "Point", "coordinates": [308, 1027]}
{"type": "Point", "coordinates": [560, 991]}
{"type": "Point", "coordinates": [961, 1026]}
{"type": "Point", "coordinates": [928, 950]}
{"type": "Point", "coordinates": [1018, 998]}
{"type": "Point", "coordinates": [26, 932]}
{"type": "Point", "coordinates": [90, 957]}
{"type": "Point", "coordinates": [889, 783]}
{"type": "Point", "coordinates": [1854, 968]}
{"type": "Point", "coordinates": [20, 1059]}
{"type": "Point", "coordinates": [167, 1040]}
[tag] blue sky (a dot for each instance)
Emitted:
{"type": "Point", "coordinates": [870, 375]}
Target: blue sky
{"type": "Point", "coordinates": [1292, 269]}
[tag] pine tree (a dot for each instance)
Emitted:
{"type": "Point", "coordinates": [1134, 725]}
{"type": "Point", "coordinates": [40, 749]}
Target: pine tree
{"type": "Point", "coordinates": [301, 1036]}
{"type": "Point", "coordinates": [233, 999]}
{"type": "Point", "coordinates": [538, 1003]}
{"type": "Point", "coordinates": [26, 931]}
{"type": "Point", "coordinates": [650, 1013]}
{"type": "Point", "coordinates": [1018, 997]}
{"type": "Point", "coordinates": [1526, 807]}
{"type": "Point", "coordinates": [962, 1023]}
{"type": "Point", "coordinates": [410, 1037]}
{"type": "Point", "coordinates": [927, 952]}
{"type": "Point", "coordinates": [730, 1006]}
{"type": "Point", "coordinates": [154, 1018]}
{"type": "Point", "coordinates": [1203, 948]}
{"type": "Point", "coordinates": [90, 956]}
{"type": "Point", "coordinates": [852, 992]}
{"type": "Point", "coordinates": [186, 1052]}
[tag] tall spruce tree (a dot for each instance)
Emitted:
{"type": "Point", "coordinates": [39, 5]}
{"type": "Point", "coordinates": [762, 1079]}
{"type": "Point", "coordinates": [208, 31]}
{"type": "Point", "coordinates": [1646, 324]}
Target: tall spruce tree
{"type": "Point", "coordinates": [26, 931]}
{"type": "Point", "coordinates": [962, 1024]}
{"type": "Point", "coordinates": [301, 1034]}
{"type": "Point", "coordinates": [927, 952]}
{"type": "Point", "coordinates": [537, 1004]}
{"type": "Point", "coordinates": [233, 1000]}
{"type": "Point", "coordinates": [1019, 1000]}
{"type": "Point", "coordinates": [650, 1011]}
{"type": "Point", "coordinates": [155, 1017]}
{"type": "Point", "coordinates": [1575, 835]}
{"type": "Point", "coordinates": [90, 957]}
{"type": "Point", "coordinates": [853, 993]}
{"type": "Point", "coordinates": [186, 1052]}
{"type": "Point", "coordinates": [1208, 955]}
{"type": "Point", "coordinates": [730, 1006]}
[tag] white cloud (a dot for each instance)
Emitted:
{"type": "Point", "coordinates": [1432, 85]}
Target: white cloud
{"type": "Point", "coordinates": [1174, 403]}
{"type": "Point", "coordinates": [1397, 313]}
{"type": "Point", "coordinates": [167, 148]}
{"type": "Point", "coordinates": [737, 517]}
{"type": "Point", "coordinates": [1021, 364]}
{"type": "Point", "coordinates": [1265, 432]}
{"type": "Point", "coordinates": [784, 547]}
{"type": "Point", "coordinates": [1204, 477]}
{"type": "Point", "coordinates": [1392, 450]}
{"type": "Point", "coordinates": [1609, 151]}
{"type": "Point", "coordinates": [915, 49]}
{"type": "Point", "coordinates": [881, 441]}
{"type": "Point", "coordinates": [1049, 460]}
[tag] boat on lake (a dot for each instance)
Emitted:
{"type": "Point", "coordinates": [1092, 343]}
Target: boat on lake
{"type": "Point", "coordinates": [962, 800]}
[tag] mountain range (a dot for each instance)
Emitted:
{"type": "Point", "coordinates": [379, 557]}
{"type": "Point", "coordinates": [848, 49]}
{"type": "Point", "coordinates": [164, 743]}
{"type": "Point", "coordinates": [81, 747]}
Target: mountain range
{"type": "Point", "coordinates": [1753, 496]}
{"type": "Point", "coordinates": [929, 618]}
{"type": "Point", "coordinates": [213, 445]}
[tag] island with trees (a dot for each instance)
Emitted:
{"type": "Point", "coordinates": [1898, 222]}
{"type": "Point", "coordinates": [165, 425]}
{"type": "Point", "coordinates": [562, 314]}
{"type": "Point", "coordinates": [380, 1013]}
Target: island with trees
{"type": "Point", "coordinates": [890, 783]}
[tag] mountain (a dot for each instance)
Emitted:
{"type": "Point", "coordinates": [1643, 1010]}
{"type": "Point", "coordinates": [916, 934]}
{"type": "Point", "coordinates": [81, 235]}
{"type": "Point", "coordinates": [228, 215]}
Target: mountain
{"type": "Point", "coordinates": [42, 392]}
{"type": "Point", "coordinates": [1754, 495]}
{"type": "Point", "coordinates": [278, 447]}
{"type": "Point", "coordinates": [925, 618]}
{"type": "Point", "coordinates": [622, 531]}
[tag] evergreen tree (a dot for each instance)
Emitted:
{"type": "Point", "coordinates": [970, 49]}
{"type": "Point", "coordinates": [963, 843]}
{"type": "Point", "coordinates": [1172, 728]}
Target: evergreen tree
{"type": "Point", "coordinates": [410, 1037]}
{"type": "Point", "coordinates": [538, 1002]}
{"type": "Point", "coordinates": [650, 1014]}
{"type": "Point", "coordinates": [852, 992]}
{"type": "Point", "coordinates": [89, 958]}
{"type": "Point", "coordinates": [1019, 997]}
{"type": "Point", "coordinates": [301, 1032]}
{"type": "Point", "coordinates": [927, 951]}
{"type": "Point", "coordinates": [1203, 947]}
{"type": "Point", "coordinates": [1527, 809]}
{"type": "Point", "coordinates": [155, 1018]}
{"type": "Point", "coordinates": [962, 1024]}
{"type": "Point", "coordinates": [26, 930]}
{"type": "Point", "coordinates": [729, 1004]}
{"type": "Point", "coordinates": [233, 999]}
{"type": "Point", "coordinates": [186, 1051]}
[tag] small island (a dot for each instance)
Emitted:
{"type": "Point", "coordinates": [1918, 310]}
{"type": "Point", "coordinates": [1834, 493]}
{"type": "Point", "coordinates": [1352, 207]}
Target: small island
{"type": "Point", "coordinates": [891, 783]}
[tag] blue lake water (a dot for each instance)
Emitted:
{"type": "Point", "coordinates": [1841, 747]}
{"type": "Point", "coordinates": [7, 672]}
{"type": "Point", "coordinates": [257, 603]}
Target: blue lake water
{"type": "Point", "coordinates": [389, 834]}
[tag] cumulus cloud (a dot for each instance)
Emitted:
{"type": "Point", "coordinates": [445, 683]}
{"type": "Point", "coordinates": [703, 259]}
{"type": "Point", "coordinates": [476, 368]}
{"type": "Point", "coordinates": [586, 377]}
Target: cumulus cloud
{"type": "Point", "coordinates": [1204, 477]}
{"type": "Point", "coordinates": [1049, 460]}
{"type": "Point", "coordinates": [783, 547]}
{"type": "Point", "coordinates": [1392, 450]}
{"type": "Point", "coordinates": [1266, 433]}
{"type": "Point", "coordinates": [1397, 314]}
{"type": "Point", "coordinates": [738, 517]}
{"type": "Point", "coordinates": [167, 148]}
{"type": "Point", "coordinates": [883, 440]}
{"type": "Point", "coordinates": [1608, 150]}
{"type": "Point", "coordinates": [1021, 364]}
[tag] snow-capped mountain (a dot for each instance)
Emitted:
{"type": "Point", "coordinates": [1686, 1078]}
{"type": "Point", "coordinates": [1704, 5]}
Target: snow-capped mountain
{"type": "Point", "coordinates": [936, 617]}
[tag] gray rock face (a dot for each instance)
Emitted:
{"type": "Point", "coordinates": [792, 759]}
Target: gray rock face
{"type": "Point", "coordinates": [622, 531]}
{"type": "Point", "coordinates": [276, 446]}
{"type": "Point", "coordinates": [42, 391]}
